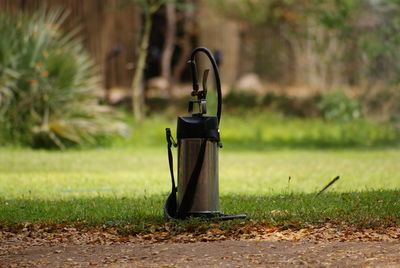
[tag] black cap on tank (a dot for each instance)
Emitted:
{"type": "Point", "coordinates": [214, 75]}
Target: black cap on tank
{"type": "Point", "coordinates": [204, 127]}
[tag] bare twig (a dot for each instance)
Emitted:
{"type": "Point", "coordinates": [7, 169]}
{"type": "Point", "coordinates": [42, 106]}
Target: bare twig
{"type": "Point", "coordinates": [328, 185]}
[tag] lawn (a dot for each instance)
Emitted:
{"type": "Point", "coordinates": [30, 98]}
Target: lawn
{"type": "Point", "coordinates": [127, 182]}
{"type": "Point", "coordinates": [128, 186]}
{"type": "Point", "coordinates": [135, 173]}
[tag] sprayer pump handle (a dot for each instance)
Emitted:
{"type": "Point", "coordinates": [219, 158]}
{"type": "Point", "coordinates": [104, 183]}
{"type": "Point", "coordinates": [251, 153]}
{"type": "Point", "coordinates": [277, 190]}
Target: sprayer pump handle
{"type": "Point", "coordinates": [201, 95]}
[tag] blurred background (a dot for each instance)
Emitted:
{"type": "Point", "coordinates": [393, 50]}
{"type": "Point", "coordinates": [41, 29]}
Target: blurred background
{"type": "Point", "coordinates": [308, 73]}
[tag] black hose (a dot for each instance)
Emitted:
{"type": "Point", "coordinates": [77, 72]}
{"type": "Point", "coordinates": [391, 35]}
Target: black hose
{"type": "Point", "coordinates": [216, 73]}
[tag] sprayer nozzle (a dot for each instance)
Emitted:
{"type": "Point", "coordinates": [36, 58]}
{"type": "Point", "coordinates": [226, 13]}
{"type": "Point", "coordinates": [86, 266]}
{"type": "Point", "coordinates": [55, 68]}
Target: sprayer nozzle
{"type": "Point", "coordinates": [194, 76]}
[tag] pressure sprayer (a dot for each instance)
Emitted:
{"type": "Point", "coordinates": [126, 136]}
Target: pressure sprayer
{"type": "Point", "coordinates": [198, 141]}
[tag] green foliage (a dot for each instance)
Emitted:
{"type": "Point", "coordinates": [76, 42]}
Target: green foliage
{"type": "Point", "coordinates": [380, 43]}
{"type": "Point", "coordinates": [262, 130]}
{"type": "Point", "coordinates": [353, 42]}
{"type": "Point", "coordinates": [239, 99]}
{"type": "Point", "coordinates": [254, 11]}
{"type": "Point", "coordinates": [266, 130]}
{"type": "Point", "coordinates": [151, 6]}
{"type": "Point", "coordinates": [337, 106]}
{"type": "Point", "coordinates": [333, 105]}
{"type": "Point", "coordinates": [336, 14]}
{"type": "Point", "coordinates": [148, 6]}
{"type": "Point", "coordinates": [332, 14]}
{"type": "Point", "coordinates": [48, 84]}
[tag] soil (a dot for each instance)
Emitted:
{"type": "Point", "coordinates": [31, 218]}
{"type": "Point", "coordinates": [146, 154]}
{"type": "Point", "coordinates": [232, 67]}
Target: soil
{"type": "Point", "coordinates": [212, 254]}
{"type": "Point", "coordinates": [97, 248]}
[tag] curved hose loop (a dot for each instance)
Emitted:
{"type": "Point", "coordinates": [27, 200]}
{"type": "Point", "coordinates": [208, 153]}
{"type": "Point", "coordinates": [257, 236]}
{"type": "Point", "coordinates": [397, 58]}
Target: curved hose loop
{"type": "Point", "coordinates": [216, 73]}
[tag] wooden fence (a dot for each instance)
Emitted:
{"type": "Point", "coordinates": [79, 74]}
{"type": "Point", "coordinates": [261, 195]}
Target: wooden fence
{"type": "Point", "coordinates": [109, 30]}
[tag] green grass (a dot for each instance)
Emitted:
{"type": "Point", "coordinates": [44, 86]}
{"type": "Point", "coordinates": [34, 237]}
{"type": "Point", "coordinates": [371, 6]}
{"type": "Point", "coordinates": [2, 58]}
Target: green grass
{"type": "Point", "coordinates": [362, 209]}
{"type": "Point", "coordinates": [129, 186]}
{"type": "Point", "coordinates": [126, 184]}
{"type": "Point", "coordinates": [261, 130]}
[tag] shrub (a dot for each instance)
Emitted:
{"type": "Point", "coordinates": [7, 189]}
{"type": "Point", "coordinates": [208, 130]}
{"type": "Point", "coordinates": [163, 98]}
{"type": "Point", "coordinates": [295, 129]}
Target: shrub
{"type": "Point", "coordinates": [48, 84]}
{"type": "Point", "coordinates": [241, 99]}
{"type": "Point", "coordinates": [293, 106]}
{"type": "Point", "coordinates": [337, 106]}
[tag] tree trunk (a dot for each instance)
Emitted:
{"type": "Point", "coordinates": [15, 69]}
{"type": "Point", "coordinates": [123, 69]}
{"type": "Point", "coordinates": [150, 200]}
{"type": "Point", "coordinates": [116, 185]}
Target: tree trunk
{"type": "Point", "coordinates": [169, 46]}
{"type": "Point", "coordinates": [184, 43]}
{"type": "Point", "coordinates": [137, 81]}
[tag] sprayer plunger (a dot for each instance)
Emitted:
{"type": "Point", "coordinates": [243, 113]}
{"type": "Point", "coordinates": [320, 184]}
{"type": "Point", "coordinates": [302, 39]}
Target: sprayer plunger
{"type": "Point", "coordinates": [197, 193]}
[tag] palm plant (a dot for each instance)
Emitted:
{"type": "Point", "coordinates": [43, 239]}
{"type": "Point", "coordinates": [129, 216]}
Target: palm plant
{"type": "Point", "coordinates": [48, 84]}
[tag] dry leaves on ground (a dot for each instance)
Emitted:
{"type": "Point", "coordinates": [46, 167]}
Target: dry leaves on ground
{"type": "Point", "coordinates": [247, 245]}
{"type": "Point", "coordinates": [55, 234]}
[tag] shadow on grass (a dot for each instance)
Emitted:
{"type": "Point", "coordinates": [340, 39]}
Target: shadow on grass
{"type": "Point", "coordinates": [286, 210]}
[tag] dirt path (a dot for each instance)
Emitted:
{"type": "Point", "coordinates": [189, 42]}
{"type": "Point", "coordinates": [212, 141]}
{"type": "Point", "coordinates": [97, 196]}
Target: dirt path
{"type": "Point", "coordinates": [213, 254]}
{"type": "Point", "coordinates": [323, 247]}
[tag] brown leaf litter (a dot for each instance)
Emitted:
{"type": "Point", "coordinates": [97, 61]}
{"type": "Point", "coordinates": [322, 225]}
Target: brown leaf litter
{"type": "Point", "coordinates": [246, 245]}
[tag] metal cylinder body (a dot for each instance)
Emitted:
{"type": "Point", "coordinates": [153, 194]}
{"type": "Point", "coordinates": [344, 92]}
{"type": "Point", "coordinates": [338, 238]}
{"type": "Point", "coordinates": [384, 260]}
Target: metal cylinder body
{"type": "Point", "coordinates": [206, 197]}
